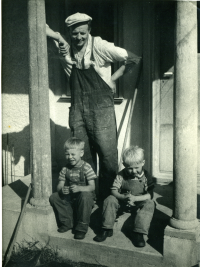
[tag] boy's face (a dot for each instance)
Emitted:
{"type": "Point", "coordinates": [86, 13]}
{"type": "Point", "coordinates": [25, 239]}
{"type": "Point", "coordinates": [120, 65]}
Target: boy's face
{"type": "Point", "coordinates": [135, 170]}
{"type": "Point", "coordinates": [73, 156]}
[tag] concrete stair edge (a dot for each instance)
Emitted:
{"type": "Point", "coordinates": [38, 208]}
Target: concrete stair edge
{"type": "Point", "coordinates": [104, 254]}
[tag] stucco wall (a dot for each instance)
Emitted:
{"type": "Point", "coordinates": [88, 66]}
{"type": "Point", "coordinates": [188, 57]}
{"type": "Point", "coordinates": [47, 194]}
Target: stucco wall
{"type": "Point", "coordinates": [15, 109]}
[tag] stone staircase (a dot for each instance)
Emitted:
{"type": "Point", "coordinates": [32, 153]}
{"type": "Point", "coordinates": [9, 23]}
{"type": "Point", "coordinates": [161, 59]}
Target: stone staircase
{"type": "Point", "coordinates": [115, 251]}
{"type": "Point", "coordinates": [119, 250]}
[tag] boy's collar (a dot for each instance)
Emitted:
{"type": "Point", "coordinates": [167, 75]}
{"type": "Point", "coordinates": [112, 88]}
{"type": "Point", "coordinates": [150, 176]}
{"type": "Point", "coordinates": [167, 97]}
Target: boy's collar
{"type": "Point", "coordinates": [73, 167]}
{"type": "Point", "coordinates": [137, 177]}
{"type": "Point", "coordinates": [140, 176]}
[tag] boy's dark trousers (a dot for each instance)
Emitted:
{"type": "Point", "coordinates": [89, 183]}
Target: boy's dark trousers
{"type": "Point", "coordinates": [144, 214]}
{"type": "Point", "coordinates": [65, 205]}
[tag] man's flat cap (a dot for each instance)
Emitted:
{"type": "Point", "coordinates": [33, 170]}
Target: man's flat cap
{"type": "Point", "coordinates": [77, 18]}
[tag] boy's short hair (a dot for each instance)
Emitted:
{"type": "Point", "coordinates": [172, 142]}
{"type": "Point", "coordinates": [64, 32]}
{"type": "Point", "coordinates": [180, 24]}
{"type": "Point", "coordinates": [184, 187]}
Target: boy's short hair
{"type": "Point", "coordinates": [133, 154]}
{"type": "Point", "coordinates": [74, 143]}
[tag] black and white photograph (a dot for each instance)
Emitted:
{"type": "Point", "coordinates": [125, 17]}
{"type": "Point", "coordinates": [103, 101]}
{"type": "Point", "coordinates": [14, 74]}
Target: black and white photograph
{"type": "Point", "coordinates": [100, 109]}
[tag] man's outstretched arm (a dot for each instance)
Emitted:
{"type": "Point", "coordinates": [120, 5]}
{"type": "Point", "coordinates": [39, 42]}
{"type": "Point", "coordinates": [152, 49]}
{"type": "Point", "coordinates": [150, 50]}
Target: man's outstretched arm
{"type": "Point", "coordinates": [63, 45]}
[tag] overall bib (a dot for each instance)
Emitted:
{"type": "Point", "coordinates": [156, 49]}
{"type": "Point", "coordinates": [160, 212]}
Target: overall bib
{"type": "Point", "coordinates": [92, 119]}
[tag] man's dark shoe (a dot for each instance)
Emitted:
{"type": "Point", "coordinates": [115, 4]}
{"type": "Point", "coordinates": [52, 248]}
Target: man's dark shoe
{"type": "Point", "coordinates": [139, 240]}
{"type": "Point", "coordinates": [79, 235]}
{"type": "Point", "coordinates": [103, 235]}
{"type": "Point", "coordinates": [63, 229]}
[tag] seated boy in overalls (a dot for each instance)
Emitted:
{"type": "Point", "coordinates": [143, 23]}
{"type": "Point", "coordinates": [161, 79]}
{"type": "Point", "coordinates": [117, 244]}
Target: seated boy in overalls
{"type": "Point", "coordinates": [132, 187]}
{"type": "Point", "coordinates": [75, 190]}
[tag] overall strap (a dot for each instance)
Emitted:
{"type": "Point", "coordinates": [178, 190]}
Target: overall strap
{"type": "Point", "coordinates": [92, 56]}
{"type": "Point", "coordinates": [72, 53]}
{"type": "Point", "coordinates": [82, 177]}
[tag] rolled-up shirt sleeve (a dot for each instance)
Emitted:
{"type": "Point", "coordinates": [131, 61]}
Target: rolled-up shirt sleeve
{"type": "Point", "coordinates": [89, 173]}
{"type": "Point", "coordinates": [62, 174]}
{"type": "Point", "coordinates": [111, 53]}
{"type": "Point", "coordinates": [132, 58]}
{"type": "Point", "coordinates": [117, 183]}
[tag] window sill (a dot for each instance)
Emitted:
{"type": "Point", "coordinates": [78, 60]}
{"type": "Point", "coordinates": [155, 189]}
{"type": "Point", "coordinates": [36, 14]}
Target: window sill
{"type": "Point", "coordinates": [67, 99]}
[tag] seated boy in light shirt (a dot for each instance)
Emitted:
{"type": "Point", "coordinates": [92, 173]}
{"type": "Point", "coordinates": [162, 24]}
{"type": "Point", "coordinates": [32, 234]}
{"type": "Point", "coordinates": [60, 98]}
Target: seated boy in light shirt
{"type": "Point", "coordinates": [75, 190]}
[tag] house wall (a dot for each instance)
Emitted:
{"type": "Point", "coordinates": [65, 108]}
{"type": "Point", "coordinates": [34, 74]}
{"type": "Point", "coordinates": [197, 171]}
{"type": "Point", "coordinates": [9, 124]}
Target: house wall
{"type": "Point", "coordinates": [15, 101]}
{"type": "Point", "coordinates": [15, 107]}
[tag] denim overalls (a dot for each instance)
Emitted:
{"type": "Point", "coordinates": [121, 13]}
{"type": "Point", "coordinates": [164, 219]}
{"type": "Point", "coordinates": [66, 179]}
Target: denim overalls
{"type": "Point", "coordinates": [92, 119]}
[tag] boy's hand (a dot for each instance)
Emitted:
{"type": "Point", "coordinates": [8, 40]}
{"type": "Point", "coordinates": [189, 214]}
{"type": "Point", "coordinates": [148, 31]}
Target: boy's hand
{"type": "Point", "coordinates": [65, 190]}
{"type": "Point", "coordinates": [74, 188]}
{"type": "Point", "coordinates": [126, 197]}
{"type": "Point", "coordinates": [131, 200]}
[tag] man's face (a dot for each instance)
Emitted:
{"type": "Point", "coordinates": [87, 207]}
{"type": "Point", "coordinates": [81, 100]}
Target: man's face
{"type": "Point", "coordinates": [79, 34]}
{"type": "Point", "coordinates": [73, 156]}
{"type": "Point", "coordinates": [135, 170]}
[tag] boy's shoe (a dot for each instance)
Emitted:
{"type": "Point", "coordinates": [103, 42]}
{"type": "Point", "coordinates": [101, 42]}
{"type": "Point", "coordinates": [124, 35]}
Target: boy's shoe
{"type": "Point", "coordinates": [79, 235]}
{"type": "Point", "coordinates": [103, 235]}
{"type": "Point", "coordinates": [139, 240]}
{"type": "Point", "coordinates": [63, 229]}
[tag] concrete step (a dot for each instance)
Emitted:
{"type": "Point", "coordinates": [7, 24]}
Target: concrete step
{"type": "Point", "coordinates": [115, 251]}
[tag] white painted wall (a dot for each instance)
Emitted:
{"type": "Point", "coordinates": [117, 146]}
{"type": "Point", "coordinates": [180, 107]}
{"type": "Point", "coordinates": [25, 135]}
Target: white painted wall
{"type": "Point", "coordinates": [15, 123]}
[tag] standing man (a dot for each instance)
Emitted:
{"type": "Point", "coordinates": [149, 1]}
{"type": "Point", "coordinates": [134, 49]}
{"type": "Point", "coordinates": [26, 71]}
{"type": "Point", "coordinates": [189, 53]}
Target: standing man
{"type": "Point", "coordinates": [87, 62]}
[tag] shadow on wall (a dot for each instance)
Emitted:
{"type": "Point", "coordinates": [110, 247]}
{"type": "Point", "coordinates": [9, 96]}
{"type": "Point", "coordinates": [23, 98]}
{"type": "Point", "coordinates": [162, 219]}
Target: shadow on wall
{"type": "Point", "coordinates": [21, 142]}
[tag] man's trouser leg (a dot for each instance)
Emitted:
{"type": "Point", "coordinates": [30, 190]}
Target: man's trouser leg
{"type": "Point", "coordinates": [78, 129]}
{"type": "Point", "coordinates": [144, 216]}
{"type": "Point", "coordinates": [83, 207]}
{"type": "Point", "coordinates": [104, 138]}
{"type": "Point", "coordinates": [110, 208]}
{"type": "Point", "coordinates": [98, 129]}
{"type": "Point", "coordinates": [63, 209]}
